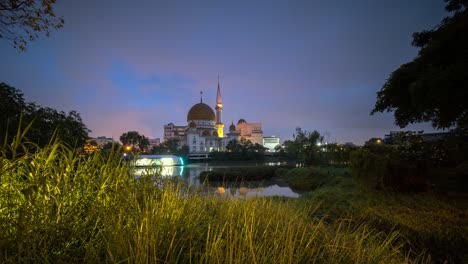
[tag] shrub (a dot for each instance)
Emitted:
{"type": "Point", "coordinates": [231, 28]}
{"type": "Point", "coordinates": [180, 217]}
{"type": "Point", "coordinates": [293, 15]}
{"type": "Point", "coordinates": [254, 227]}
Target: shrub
{"type": "Point", "coordinates": [385, 167]}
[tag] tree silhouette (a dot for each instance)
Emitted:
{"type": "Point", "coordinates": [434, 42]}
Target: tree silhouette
{"type": "Point", "coordinates": [21, 21]}
{"type": "Point", "coordinates": [434, 86]}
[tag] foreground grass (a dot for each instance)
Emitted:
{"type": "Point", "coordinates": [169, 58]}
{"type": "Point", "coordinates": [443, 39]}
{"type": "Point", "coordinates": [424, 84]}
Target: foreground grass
{"type": "Point", "coordinates": [56, 207]}
{"type": "Point", "coordinates": [430, 222]}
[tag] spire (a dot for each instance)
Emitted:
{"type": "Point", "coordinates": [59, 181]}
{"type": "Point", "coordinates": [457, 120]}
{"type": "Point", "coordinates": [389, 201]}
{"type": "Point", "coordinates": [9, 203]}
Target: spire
{"type": "Point", "coordinates": [201, 97]}
{"type": "Point", "coordinates": [218, 94]}
{"type": "Point", "coordinates": [219, 109]}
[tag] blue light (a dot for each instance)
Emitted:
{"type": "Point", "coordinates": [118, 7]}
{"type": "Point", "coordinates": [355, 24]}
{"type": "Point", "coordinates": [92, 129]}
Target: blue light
{"type": "Point", "coordinates": [181, 161]}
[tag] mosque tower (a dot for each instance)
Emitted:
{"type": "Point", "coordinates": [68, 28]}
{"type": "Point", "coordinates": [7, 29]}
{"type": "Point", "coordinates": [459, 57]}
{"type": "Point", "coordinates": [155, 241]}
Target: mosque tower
{"type": "Point", "coordinates": [219, 109]}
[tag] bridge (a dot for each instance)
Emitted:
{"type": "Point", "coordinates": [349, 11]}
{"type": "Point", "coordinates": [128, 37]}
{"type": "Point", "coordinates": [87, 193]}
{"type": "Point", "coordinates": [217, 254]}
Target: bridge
{"type": "Point", "coordinates": [199, 156]}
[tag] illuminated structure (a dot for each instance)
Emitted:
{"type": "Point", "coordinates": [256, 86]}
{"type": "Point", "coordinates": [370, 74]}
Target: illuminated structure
{"type": "Point", "coordinates": [270, 143]}
{"type": "Point", "coordinates": [164, 165]}
{"type": "Point", "coordinates": [157, 160]}
{"type": "Point", "coordinates": [232, 134]}
{"type": "Point", "coordinates": [204, 131]}
{"type": "Point", "coordinates": [250, 131]}
{"type": "Point", "coordinates": [219, 109]}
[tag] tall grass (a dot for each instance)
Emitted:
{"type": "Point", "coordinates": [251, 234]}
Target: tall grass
{"type": "Point", "coordinates": [59, 207]}
{"type": "Point", "coordinates": [429, 222]}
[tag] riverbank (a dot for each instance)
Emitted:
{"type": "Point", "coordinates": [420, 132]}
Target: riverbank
{"type": "Point", "coordinates": [432, 223]}
{"type": "Point", "coordinates": [58, 207]}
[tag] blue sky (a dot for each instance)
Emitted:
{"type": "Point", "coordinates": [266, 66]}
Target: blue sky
{"type": "Point", "coordinates": [137, 65]}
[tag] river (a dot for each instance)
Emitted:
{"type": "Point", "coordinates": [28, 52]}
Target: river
{"type": "Point", "coordinates": [189, 173]}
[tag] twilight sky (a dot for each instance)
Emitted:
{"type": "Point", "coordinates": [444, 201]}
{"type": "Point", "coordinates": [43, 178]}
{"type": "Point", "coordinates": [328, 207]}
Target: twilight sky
{"type": "Point", "coordinates": [137, 65]}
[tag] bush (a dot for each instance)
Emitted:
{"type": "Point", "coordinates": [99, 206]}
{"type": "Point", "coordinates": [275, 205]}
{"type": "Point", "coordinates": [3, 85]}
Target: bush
{"type": "Point", "coordinates": [310, 178]}
{"type": "Point", "coordinates": [384, 167]}
{"type": "Point", "coordinates": [370, 165]}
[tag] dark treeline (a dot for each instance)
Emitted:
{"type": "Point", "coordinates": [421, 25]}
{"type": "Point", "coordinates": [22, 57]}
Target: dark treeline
{"type": "Point", "coordinates": [37, 124]}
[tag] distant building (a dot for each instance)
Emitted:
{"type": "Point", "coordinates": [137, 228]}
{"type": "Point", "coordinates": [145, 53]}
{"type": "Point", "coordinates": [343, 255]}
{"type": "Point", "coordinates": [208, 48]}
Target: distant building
{"type": "Point", "coordinates": [172, 131]}
{"type": "Point", "coordinates": [250, 131]}
{"type": "Point", "coordinates": [153, 142]}
{"type": "Point", "coordinates": [431, 137]}
{"type": "Point", "coordinates": [231, 135]}
{"type": "Point", "coordinates": [270, 143]}
{"type": "Point", "coordinates": [426, 137]}
{"type": "Point", "coordinates": [102, 140]}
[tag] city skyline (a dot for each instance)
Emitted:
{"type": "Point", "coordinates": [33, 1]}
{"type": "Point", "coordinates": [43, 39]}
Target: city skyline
{"type": "Point", "coordinates": [315, 65]}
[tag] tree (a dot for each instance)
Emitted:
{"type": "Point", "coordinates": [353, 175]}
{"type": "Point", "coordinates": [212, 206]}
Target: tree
{"type": "Point", "coordinates": [45, 122]}
{"type": "Point", "coordinates": [171, 145]}
{"type": "Point", "coordinates": [135, 140]}
{"type": "Point", "coordinates": [21, 21]}
{"type": "Point", "coordinates": [243, 149]}
{"type": "Point", "coordinates": [111, 146]}
{"type": "Point", "coordinates": [233, 146]}
{"type": "Point", "coordinates": [183, 151]}
{"type": "Point", "coordinates": [373, 141]}
{"type": "Point", "coordinates": [144, 144]}
{"type": "Point", "coordinates": [434, 86]}
{"type": "Point", "coordinates": [12, 106]}
{"type": "Point", "coordinates": [305, 147]}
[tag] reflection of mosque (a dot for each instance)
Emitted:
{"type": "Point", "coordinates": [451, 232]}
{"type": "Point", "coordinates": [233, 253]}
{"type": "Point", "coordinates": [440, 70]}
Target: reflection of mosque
{"type": "Point", "coordinates": [190, 174]}
{"type": "Point", "coordinates": [234, 189]}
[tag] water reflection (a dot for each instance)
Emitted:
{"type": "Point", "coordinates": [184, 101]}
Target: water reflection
{"type": "Point", "coordinates": [165, 171]}
{"type": "Point", "coordinates": [271, 190]}
{"type": "Point", "coordinates": [190, 173]}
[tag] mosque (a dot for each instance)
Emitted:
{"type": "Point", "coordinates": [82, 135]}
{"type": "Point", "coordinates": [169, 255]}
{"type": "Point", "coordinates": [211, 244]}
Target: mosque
{"type": "Point", "coordinates": [204, 131]}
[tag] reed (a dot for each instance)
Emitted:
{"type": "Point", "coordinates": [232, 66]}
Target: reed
{"type": "Point", "coordinates": [57, 206]}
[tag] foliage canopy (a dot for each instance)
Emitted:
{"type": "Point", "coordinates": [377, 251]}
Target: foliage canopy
{"type": "Point", "coordinates": [134, 139]}
{"type": "Point", "coordinates": [434, 86]}
{"type": "Point", "coordinates": [21, 21]}
{"type": "Point", "coordinates": [305, 146]}
{"type": "Point", "coordinates": [45, 122]}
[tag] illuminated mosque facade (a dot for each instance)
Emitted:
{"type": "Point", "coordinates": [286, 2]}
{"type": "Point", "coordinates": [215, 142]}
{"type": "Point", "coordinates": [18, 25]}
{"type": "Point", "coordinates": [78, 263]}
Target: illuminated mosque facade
{"type": "Point", "coordinates": [204, 131]}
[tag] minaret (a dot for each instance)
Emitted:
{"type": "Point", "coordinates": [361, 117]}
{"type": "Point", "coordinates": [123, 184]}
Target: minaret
{"type": "Point", "coordinates": [219, 109]}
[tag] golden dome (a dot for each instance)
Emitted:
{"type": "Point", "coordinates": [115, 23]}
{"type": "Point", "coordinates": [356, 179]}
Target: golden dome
{"type": "Point", "coordinates": [232, 127]}
{"type": "Point", "coordinates": [201, 111]}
